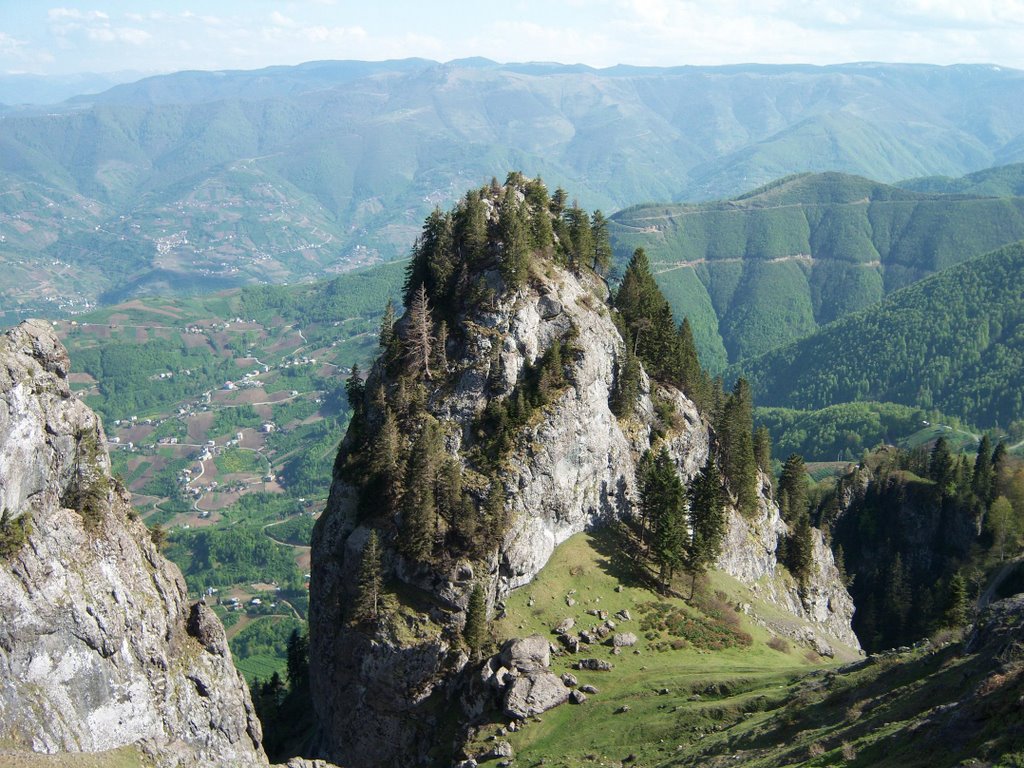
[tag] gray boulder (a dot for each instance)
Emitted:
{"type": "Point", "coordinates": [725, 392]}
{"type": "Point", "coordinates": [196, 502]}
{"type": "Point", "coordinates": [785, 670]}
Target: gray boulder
{"type": "Point", "coordinates": [534, 693]}
{"type": "Point", "coordinates": [564, 625]}
{"type": "Point", "coordinates": [527, 654]}
{"type": "Point", "coordinates": [594, 665]}
{"type": "Point", "coordinates": [624, 640]}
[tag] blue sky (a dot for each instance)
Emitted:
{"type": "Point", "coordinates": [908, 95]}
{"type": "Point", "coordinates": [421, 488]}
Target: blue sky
{"type": "Point", "coordinates": [116, 35]}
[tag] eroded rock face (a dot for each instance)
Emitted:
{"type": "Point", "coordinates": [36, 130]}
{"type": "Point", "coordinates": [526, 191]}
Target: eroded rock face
{"type": "Point", "coordinates": [571, 467]}
{"type": "Point", "coordinates": [99, 646]}
{"type": "Point", "coordinates": [748, 554]}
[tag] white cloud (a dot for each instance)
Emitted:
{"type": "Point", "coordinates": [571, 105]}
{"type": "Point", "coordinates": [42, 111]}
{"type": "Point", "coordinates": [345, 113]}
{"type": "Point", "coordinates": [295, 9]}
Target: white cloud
{"type": "Point", "coordinates": [280, 20]}
{"type": "Point", "coordinates": [59, 14]}
{"type": "Point", "coordinates": [246, 33]}
{"type": "Point", "coordinates": [118, 34]}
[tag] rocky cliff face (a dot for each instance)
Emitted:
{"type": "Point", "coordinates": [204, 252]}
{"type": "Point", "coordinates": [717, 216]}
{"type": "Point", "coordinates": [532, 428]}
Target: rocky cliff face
{"type": "Point", "coordinates": [380, 695]}
{"type": "Point", "coordinates": [99, 645]}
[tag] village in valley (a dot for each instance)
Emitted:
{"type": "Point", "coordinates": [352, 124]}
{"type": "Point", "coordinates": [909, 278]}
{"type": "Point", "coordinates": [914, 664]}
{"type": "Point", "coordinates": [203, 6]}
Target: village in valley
{"type": "Point", "coordinates": [237, 431]}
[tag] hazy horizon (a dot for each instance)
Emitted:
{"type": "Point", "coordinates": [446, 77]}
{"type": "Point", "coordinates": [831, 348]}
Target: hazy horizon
{"type": "Point", "coordinates": [119, 36]}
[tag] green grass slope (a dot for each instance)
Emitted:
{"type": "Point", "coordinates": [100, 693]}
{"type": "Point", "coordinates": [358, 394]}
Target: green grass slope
{"type": "Point", "coordinates": [687, 704]}
{"type": "Point", "coordinates": [696, 668]}
{"type": "Point", "coordinates": [953, 342]}
{"type": "Point", "coordinates": [783, 260]}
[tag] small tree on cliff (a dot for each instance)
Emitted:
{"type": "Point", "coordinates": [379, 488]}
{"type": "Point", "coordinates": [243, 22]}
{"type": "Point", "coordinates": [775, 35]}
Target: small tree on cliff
{"type": "Point", "coordinates": [474, 633]}
{"type": "Point", "coordinates": [369, 603]}
{"type": "Point", "coordinates": [419, 333]}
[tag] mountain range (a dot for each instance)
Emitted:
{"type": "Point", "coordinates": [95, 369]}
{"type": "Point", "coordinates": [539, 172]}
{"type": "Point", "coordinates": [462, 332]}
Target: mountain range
{"type": "Point", "coordinates": [954, 341]}
{"type": "Point", "coordinates": [201, 180]}
{"type": "Point", "coordinates": [771, 266]}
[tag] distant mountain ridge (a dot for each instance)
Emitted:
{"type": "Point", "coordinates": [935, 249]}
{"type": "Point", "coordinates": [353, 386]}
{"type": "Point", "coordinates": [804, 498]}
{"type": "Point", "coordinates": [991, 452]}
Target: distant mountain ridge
{"type": "Point", "coordinates": [773, 265]}
{"type": "Point", "coordinates": [954, 341]}
{"type": "Point", "coordinates": [1004, 181]}
{"type": "Point", "coordinates": [295, 172]}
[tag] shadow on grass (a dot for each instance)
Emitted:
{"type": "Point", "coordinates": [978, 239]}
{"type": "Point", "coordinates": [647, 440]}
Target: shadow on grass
{"type": "Point", "coordinates": [621, 554]}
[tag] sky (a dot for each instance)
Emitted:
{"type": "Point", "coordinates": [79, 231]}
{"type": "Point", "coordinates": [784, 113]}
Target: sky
{"type": "Point", "coordinates": [162, 36]}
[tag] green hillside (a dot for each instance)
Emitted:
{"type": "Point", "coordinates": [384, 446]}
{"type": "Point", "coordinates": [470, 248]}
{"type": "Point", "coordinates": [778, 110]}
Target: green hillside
{"type": "Point", "coordinates": [953, 342]}
{"type": "Point", "coordinates": [1004, 181]}
{"type": "Point", "coordinates": [839, 432]}
{"type": "Point", "coordinates": [207, 180]}
{"type": "Point", "coordinates": [773, 265]}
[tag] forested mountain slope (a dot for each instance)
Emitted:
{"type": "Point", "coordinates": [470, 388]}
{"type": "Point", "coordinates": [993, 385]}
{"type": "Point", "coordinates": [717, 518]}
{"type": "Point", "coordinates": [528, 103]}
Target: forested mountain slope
{"type": "Point", "coordinates": [1004, 181]}
{"type": "Point", "coordinates": [771, 266]}
{"type": "Point", "coordinates": [954, 341]}
{"type": "Point", "coordinates": [199, 180]}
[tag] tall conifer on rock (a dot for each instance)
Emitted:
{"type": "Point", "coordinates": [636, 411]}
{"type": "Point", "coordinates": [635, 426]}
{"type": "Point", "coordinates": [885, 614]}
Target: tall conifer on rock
{"type": "Point", "coordinates": [419, 502]}
{"type": "Point", "coordinates": [474, 633]}
{"type": "Point", "coordinates": [663, 501]}
{"type": "Point", "coordinates": [793, 488]}
{"type": "Point", "coordinates": [708, 521]}
{"type": "Point", "coordinates": [736, 438]}
{"type": "Point", "coordinates": [602, 248]}
{"type": "Point", "coordinates": [369, 603]}
{"type": "Point", "coordinates": [419, 333]}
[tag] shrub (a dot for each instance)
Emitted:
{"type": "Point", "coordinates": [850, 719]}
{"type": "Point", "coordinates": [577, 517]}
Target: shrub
{"type": "Point", "coordinates": [13, 534]}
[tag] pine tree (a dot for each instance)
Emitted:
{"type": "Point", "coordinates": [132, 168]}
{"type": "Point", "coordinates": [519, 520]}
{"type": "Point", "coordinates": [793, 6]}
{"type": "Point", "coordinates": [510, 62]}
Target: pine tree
{"type": "Point", "coordinates": [581, 240]}
{"type": "Point", "coordinates": [542, 235]}
{"type": "Point", "coordinates": [368, 607]}
{"type": "Point", "coordinates": [663, 502]}
{"type": "Point", "coordinates": [692, 379]}
{"type": "Point", "coordinates": [387, 326]}
{"type": "Point", "coordinates": [385, 463]}
{"type": "Point", "coordinates": [475, 631]}
{"type": "Point", "coordinates": [998, 465]}
{"type": "Point", "coordinates": [737, 440]}
{"type": "Point", "coordinates": [942, 469]}
{"type": "Point", "coordinates": [602, 249]}
{"type": "Point", "coordinates": [433, 262]}
{"type": "Point", "coordinates": [558, 203]}
{"type": "Point", "coordinates": [800, 549]}
{"type": "Point", "coordinates": [419, 504]}
{"type": "Point", "coordinates": [793, 488]}
{"type": "Point", "coordinates": [707, 521]}
{"type": "Point", "coordinates": [957, 602]}
{"type": "Point", "coordinates": [647, 318]}
{"type": "Point", "coordinates": [513, 227]}
{"type": "Point", "coordinates": [897, 600]}
{"type": "Point", "coordinates": [448, 491]}
{"type": "Point", "coordinates": [763, 449]}
{"type": "Point", "coordinates": [355, 393]}
{"type": "Point", "coordinates": [298, 660]}
{"type": "Point", "coordinates": [440, 360]}
{"type": "Point", "coordinates": [419, 334]}
{"type": "Point", "coordinates": [552, 372]}
{"type": "Point", "coordinates": [470, 230]}
{"type": "Point", "coordinates": [355, 389]}
{"type": "Point", "coordinates": [626, 389]}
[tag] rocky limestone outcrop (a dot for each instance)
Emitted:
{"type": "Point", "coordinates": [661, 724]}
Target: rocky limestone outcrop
{"type": "Point", "coordinates": [99, 645]}
{"type": "Point", "coordinates": [519, 679]}
{"type": "Point", "coordinates": [748, 554]}
{"type": "Point", "coordinates": [571, 467]}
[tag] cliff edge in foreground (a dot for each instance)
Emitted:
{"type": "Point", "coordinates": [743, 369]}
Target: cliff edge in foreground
{"type": "Point", "coordinates": [99, 645]}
